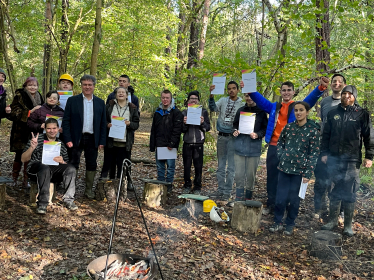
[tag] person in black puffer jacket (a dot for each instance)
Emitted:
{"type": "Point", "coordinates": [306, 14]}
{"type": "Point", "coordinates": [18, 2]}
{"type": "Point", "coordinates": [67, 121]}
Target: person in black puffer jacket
{"type": "Point", "coordinates": [165, 132]}
{"type": "Point", "coordinates": [248, 150]}
{"type": "Point", "coordinates": [348, 126]}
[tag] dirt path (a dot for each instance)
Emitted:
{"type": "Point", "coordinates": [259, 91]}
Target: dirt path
{"type": "Point", "coordinates": [61, 244]}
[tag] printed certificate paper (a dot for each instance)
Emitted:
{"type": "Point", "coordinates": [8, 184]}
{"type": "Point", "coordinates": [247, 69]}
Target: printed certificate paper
{"type": "Point", "coordinates": [64, 96]}
{"type": "Point", "coordinates": [118, 128]}
{"type": "Point", "coordinates": [193, 114]}
{"type": "Point", "coordinates": [247, 122]}
{"type": "Point", "coordinates": [59, 120]}
{"type": "Point", "coordinates": [165, 153]}
{"type": "Point", "coordinates": [249, 80]}
{"type": "Point", "coordinates": [51, 149]}
{"type": "Point", "coordinates": [219, 80]}
{"type": "Point", "coordinates": [303, 188]}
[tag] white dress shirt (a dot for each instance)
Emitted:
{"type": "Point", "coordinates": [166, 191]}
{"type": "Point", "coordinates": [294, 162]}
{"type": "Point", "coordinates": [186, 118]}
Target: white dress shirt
{"type": "Point", "coordinates": [88, 115]}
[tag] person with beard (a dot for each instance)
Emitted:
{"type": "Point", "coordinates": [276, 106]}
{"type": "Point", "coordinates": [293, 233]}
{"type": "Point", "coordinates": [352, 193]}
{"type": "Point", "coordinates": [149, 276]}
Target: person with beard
{"type": "Point", "coordinates": [248, 150]}
{"type": "Point", "coordinates": [165, 132]}
{"type": "Point", "coordinates": [323, 182]}
{"type": "Point", "coordinates": [347, 128]}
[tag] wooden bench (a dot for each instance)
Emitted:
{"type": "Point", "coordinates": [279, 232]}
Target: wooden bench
{"type": "Point", "coordinates": [34, 191]}
{"type": "Point", "coordinates": [3, 182]}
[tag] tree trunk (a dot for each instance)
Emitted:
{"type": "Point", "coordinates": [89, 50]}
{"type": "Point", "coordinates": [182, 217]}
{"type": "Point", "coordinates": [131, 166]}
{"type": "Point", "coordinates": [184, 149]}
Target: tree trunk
{"type": "Point", "coordinates": [180, 41]}
{"type": "Point", "coordinates": [97, 38]}
{"type": "Point", "coordinates": [47, 59]}
{"type": "Point", "coordinates": [194, 35]}
{"type": "Point", "coordinates": [168, 48]}
{"type": "Point", "coordinates": [204, 28]}
{"type": "Point", "coordinates": [260, 41]}
{"type": "Point", "coordinates": [63, 62]}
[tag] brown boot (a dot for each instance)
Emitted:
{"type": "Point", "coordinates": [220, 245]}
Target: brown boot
{"type": "Point", "coordinates": [15, 173]}
{"type": "Point", "coordinates": [25, 183]}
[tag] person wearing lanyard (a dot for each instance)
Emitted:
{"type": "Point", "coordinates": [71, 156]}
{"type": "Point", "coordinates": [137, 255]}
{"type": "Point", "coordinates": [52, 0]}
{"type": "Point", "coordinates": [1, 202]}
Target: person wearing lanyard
{"type": "Point", "coordinates": [117, 149]}
{"type": "Point", "coordinates": [227, 108]}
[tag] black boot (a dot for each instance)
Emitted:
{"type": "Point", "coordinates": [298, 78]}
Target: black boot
{"type": "Point", "coordinates": [349, 209]}
{"type": "Point", "coordinates": [333, 216]}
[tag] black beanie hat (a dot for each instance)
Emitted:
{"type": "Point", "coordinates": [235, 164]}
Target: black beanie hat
{"type": "Point", "coordinates": [195, 92]}
{"type": "Point", "coordinates": [351, 89]}
{"type": "Point", "coordinates": [3, 72]}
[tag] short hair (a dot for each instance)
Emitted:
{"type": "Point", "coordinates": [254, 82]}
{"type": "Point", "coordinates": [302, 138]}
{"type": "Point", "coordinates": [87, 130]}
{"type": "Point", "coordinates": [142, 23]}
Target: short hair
{"type": "Point", "coordinates": [305, 104]}
{"type": "Point", "coordinates": [289, 84]}
{"type": "Point", "coordinates": [166, 91]}
{"type": "Point", "coordinates": [88, 77]}
{"type": "Point", "coordinates": [115, 91]}
{"type": "Point", "coordinates": [29, 80]}
{"type": "Point", "coordinates": [338, 75]}
{"type": "Point", "coordinates": [233, 83]}
{"type": "Point", "coordinates": [49, 94]}
{"type": "Point", "coordinates": [125, 76]}
{"type": "Point", "coordinates": [51, 120]}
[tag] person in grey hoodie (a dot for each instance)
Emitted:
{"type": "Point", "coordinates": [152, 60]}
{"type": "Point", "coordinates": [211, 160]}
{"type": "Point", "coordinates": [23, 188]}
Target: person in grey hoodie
{"type": "Point", "coordinates": [227, 108]}
{"type": "Point", "coordinates": [193, 145]}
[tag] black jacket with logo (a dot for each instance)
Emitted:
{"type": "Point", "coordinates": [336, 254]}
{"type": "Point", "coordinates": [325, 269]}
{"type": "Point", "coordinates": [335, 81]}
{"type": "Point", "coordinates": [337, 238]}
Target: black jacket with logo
{"type": "Point", "coordinates": [345, 131]}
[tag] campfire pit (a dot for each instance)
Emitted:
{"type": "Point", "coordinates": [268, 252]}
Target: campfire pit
{"type": "Point", "coordinates": [97, 266]}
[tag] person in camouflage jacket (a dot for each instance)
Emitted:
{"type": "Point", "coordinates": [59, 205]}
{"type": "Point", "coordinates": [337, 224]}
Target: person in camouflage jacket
{"type": "Point", "coordinates": [297, 150]}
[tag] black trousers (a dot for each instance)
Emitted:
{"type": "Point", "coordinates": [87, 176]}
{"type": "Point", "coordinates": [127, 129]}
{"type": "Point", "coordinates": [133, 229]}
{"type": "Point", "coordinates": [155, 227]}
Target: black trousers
{"type": "Point", "coordinates": [193, 153]}
{"type": "Point", "coordinates": [87, 144]}
{"type": "Point", "coordinates": [272, 162]}
{"type": "Point", "coordinates": [113, 159]}
{"type": "Point", "coordinates": [44, 174]}
{"type": "Point", "coordinates": [322, 184]}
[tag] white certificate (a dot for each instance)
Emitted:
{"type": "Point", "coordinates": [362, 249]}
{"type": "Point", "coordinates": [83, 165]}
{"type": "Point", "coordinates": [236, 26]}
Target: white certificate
{"type": "Point", "coordinates": [219, 80]}
{"type": "Point", "coordinates": [118, 128]}
{"type": "Point", "coordinates": [247, 122]}
{"type": "Point", "coordinates": [194, 114]}
{"type": "Point", "coordinates": [64, 96]}
{"type": "Point", "coordinates": [59, 120]}
{"type": "Point", "coordinates": [249, 80]}
{"type": "Point", "coordinates": [51, 149]}
{"type": "Point", "coordinates": [165, 153]}
{"type": "Point", "coordinates": [303, 188]}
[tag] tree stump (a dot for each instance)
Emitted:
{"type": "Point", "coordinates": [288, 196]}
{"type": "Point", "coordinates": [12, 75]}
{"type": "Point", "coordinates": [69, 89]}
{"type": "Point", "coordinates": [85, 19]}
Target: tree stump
{"type": "Point", "coordinates": [246, 218]}
{"type": "Point", "coordinates": [194, 207]}
{"type": "Point", "coordinates": [155, 192]}
{"type": "Point", "coordinates": [3, 182]}
{"type": "Point", "coordinates": [34, 191]}
{"type": "Point", "coordinates": [326, 245]}
{"type": "Point", "coordinates": [107, 190]}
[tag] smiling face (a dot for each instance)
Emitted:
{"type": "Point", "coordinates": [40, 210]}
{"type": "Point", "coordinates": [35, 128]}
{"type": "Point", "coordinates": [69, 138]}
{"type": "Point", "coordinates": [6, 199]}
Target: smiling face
{"type": "Point", "coordinates": [193, 100]}
{"type": "Point", "coordinates": [347, 99]}
{"type": "Point", "coordinates": [249, 100]}
{"type": "Point", "coordinates": [2, 79]}
{"type": "Point", "coordinates": [300, 112]}
{"type": "Point", "coordinates": [65, 85]}
{"type": "Point", "coordinates": [287, 93]}
{"type": "Point", "coordinates": [337, 84]}
{"type": "Point", "coordinates": [88, 87]}
{"type": "Point", "coordinates": [165, 99]}
{"type": "Point", "coordinates": [51, 130]}
{"type": "Point", "coordinates": [121, 94]}
{"type": "Point", "coordinates": [32, 87]}
{"type": "Point", "coordinates": [53, 99]}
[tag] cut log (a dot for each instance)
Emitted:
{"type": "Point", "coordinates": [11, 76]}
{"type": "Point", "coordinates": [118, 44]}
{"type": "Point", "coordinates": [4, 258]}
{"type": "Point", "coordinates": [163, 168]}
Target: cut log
{"type": "Point", "coordinates": [246, 218]}
{"type": "Point", "coordinates": [194, 208]}
{"type": "Point", "coordinates": [34, 191]}
{"type": "Point", "coordinates": [107, 190]}
{"type": "Point", "coordinates": [143, 160]}
{"type": "Point", "coordinates": [155, 193]}
{"type": "Point", "coordinates": [326, 245]}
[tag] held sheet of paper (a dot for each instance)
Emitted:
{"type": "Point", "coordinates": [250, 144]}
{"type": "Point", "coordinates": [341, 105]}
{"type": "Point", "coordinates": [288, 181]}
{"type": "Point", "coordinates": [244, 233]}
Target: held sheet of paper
{"type": "Point", "coordinates": [249, 80]}
{"type": "Point", "coordinates": [51, 149]}
{"type": "Point", "coordinates": [165, 153]}
{"type": "Point", "coordinates": [219, 80]}
{"type": "Point", "coordinates": [64, 96]}
{"type": "Point", "coordinates": [247, 122]}
{"type": "Point", "coordinates": [118, 128]}
{"type": "Point", "coordinates": [303, 188]}
{"type": "Point", "coordinates": [59, 120]}
{"type": "Point", "coordinates": [194, 114]}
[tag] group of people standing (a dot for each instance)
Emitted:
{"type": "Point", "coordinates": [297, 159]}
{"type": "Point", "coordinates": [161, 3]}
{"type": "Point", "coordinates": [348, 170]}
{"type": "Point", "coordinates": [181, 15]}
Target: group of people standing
{"type": "Point", "coordinates": [86, 121]}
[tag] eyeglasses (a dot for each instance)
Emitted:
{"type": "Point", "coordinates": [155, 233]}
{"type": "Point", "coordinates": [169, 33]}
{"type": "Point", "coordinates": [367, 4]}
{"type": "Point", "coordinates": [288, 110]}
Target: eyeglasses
{"type": "Point", "coordinates": [194, 98]}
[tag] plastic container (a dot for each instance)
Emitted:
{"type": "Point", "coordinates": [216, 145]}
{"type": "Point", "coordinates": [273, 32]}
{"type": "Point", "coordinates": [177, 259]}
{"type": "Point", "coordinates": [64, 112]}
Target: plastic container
{"type": "Point", "coordinates": [214, 216]}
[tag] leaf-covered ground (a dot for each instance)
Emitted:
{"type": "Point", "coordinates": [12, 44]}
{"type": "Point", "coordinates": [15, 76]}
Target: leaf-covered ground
{"type": "Point", "coordinates": [61, 244]}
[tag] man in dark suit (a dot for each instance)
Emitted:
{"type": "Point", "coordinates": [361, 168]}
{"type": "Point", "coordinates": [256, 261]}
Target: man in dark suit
{"type": "Point", "coordinates": [84, 126]}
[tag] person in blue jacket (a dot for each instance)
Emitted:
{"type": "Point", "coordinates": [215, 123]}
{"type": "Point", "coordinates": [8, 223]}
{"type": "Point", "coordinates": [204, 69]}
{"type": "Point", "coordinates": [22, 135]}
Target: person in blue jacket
{"type": "Point", "coordinates": [280, 113]}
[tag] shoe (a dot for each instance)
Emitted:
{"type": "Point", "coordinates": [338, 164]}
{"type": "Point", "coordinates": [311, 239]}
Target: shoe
{"type": "Point", "coordinates": [349, 209]}
{"type": "Point", "coordinates": [169, 187]}
{"type": "Point", "coordinates": [197, 192]}
{"type": "Point", "coordinates": [268, 210]}
{"type": "Point", "coordinates": [276, 227]}
{"type": "Point", "coordinates": [334, 213]}
{"type": "Point", "coordinates": [216, 194]}
{"type": "Point", "coordinates": [225, 197]}
{"type": "Point", "coordinates": [71, 206]}
{"type": "Point", "coordinates": [90, 177]}
{"type": "Point", "coordinates": [288, 230]}
{"type": "Point", "coordinates": [41, 209]}
{"type": "Point", "coordinates": [230, 204]}
{"type": "Point", "coordinates": [130, 187]}
{"type": "Point", "coordinates": [186, 189]}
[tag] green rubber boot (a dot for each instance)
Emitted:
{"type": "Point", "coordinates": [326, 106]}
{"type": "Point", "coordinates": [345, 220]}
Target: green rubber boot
{"type": "Point", "coordinates": [349, 209]}
{"type": "Point", "coordinates": [334, 213]}
{"type": "Point", "coordinates": [90, 177]}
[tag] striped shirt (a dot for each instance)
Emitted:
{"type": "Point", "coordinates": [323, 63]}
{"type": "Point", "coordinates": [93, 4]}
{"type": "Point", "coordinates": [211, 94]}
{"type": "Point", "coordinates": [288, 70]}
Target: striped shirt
{"type": "Point", "coordinates": [37, 154]}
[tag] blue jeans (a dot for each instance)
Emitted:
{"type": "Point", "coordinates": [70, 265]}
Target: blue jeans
{"type": "Point", "coordinates": [287, 193]}
{"type": "Point", "coordinates": [170, 163]}
{"type": "Point", "coordinates": [225, 154]}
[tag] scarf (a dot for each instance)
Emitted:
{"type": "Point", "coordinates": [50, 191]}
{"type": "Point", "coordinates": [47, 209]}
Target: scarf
{"type": "Point", "coordinates": [34, 99]}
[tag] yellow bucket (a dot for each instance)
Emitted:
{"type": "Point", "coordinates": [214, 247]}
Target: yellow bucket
{"type": "Point", "coordinates": [208, 205]}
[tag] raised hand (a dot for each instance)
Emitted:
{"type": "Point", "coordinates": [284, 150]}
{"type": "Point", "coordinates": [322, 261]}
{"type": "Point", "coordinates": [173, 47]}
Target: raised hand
{"type": "Point", "coordinates": [8, 110]}
{"type": "Point", "coordinates": [34, 141]}
{"type": "Point", "coordinates": [324, 82]}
